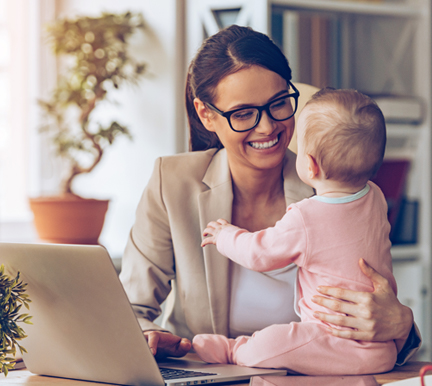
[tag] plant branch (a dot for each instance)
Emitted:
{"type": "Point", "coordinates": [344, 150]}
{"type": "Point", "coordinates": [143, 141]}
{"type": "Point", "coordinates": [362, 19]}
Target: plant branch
{"type": "Point", "coordinates": [98, 47]}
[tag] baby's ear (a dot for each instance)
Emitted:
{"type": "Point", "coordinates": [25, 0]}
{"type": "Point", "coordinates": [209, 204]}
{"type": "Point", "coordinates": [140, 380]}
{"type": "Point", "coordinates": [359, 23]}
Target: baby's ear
{"type": "Point", "coordinates": [204, 114]}
{"type": "Point", "coordinates": [313, 167]}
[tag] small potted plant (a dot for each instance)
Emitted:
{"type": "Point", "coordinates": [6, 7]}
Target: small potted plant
{"type": "Point", "coordinates": [12, 298]}
{"type": "Point", "coordinates": [95, 50]}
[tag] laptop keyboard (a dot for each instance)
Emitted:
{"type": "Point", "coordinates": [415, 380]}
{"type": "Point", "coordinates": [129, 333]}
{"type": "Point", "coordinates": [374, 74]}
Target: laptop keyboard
{"type": "Point", "coordinates": [176, 374]}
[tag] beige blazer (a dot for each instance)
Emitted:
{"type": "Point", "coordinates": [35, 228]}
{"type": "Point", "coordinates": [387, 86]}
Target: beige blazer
{"type": "Point", "coordinates": [163, 252]}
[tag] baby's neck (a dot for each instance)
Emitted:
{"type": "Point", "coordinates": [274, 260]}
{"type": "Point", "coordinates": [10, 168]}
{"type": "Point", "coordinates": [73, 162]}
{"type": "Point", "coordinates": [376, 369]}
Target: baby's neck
{"type": "Point", "coordinates": [329, 188]}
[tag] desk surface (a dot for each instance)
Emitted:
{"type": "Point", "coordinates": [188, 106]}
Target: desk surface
{"type": "Point", "coordinates": [24, 377]}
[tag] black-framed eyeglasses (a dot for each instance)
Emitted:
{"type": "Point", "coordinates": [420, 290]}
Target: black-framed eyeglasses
{"type": "Point", "coordinates": [247, 118]}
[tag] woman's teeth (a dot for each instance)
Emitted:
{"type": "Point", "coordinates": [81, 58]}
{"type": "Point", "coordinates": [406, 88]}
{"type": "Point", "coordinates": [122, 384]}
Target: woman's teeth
{"type": "Point", "coordinates": [264, 145]}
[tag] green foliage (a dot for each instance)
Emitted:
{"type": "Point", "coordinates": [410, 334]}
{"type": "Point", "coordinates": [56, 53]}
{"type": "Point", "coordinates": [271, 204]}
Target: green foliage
{"type": "Point", "coordinates": [96, 50]}
{"type": "Point", "coordinates": [12, 298]}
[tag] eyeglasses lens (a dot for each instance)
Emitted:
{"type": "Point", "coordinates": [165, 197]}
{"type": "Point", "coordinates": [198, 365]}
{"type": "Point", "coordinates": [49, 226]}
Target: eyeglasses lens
{"type": "Point", "coordinates": [282, 109]}
{"type": "Point", "coordinates": [246, 119]}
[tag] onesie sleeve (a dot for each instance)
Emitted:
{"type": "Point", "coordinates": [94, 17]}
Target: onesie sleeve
{"type": "Point", "coordinates": [268, 249]}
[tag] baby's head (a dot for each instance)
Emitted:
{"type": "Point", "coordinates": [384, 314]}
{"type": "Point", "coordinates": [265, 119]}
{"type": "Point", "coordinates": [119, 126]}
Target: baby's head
{"type": "Point", "coordinates": [344, 132]}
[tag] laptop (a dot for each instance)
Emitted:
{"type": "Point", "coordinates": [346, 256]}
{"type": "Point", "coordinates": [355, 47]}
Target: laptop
{"type": "Point", "coordinates": [84, 326]}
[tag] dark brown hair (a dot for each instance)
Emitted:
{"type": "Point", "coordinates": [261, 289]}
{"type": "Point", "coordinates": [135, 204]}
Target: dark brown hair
{"type": "Point", "coordinates": [228, 51]}
{"type": "Point", "coordinates": [345, 132]}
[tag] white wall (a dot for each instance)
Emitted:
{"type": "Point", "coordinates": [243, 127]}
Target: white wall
{"type": "Point", "coordinates": [150, 111]}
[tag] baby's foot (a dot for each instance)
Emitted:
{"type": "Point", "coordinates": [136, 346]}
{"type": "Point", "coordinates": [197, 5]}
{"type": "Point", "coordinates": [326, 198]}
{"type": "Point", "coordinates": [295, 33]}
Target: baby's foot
{"type": "Point", "coordinates": [213, 348]}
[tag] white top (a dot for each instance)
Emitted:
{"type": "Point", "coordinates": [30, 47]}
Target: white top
{"type": "Point", "coordinates": [259, 300]}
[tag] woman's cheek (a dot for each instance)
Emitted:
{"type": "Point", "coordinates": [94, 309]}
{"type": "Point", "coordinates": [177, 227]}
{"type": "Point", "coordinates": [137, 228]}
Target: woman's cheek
{"type": "Point", "coordinates": [289, 132]}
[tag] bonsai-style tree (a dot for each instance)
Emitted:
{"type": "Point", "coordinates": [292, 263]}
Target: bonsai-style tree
{"type": "Point", "coordinates": [96, 60]}
{"type": "Point", "coordinates": [12, 298]}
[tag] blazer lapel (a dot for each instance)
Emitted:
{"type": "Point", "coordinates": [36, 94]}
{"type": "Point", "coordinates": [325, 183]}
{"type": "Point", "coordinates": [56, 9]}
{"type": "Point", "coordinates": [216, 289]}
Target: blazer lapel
{"type": "Point", "coordinates": [216, 203]}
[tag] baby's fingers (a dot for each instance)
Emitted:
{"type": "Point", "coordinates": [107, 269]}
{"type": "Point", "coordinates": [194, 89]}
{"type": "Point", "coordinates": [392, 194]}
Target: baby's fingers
{"type": "Point", "coordinates": [221, 221]}
{"type": "Point", "coordinates": [208, 240]}
{"type": "Point", "coordinates": [209, 231]}
{"type": "Point", "coordinates": [213, 224]}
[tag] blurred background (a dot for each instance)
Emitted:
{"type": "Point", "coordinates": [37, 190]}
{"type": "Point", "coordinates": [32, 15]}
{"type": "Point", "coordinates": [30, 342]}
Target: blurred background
{"type": "Point", "coordinates": [382, 48]}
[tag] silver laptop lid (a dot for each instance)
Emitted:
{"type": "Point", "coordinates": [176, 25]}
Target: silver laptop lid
{"type": "Point", "coordinates": [72, 333]}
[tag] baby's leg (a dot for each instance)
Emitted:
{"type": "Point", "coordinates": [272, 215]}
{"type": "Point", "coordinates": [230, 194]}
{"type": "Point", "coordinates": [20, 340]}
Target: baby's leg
{"type": "Point", "coordinates": [280, 346]}
{"type": "Point", "coordinates": [217, 348]}
{"type": "Point", "coordinates": [257, 350]}
{"type": "Point", "coordinates": [307, 348]}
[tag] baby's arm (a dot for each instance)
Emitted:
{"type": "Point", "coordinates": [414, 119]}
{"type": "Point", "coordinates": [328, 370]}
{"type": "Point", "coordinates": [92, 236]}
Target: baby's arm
{"type": "Point", "coordinates": [261, 251]}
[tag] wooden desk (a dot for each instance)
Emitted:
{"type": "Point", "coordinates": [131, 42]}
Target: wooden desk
{"type": "Point", "coordinates": [24, 377]}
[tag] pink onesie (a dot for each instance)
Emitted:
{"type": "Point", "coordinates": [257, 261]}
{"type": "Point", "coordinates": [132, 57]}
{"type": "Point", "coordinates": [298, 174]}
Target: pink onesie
{"type": "Point", "coordinates": [325, 237]}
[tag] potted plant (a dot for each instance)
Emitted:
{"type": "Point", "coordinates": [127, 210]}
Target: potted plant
{"type": "Point", "coordinates": [12, 298]}
{"type": "Point", "coordinates": [97, 60]}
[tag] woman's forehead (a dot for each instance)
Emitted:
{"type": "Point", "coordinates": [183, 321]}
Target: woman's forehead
{"type": "Point", "coordinates": [254, 85]}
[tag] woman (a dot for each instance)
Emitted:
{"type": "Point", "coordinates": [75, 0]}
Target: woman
{"type": "Point", "coordinates": [239, 169]}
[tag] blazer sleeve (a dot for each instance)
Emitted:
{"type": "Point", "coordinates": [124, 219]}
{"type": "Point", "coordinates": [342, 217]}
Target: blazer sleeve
{"type": "Point", "coordinates": [148, 260]}
{"type": "Point", "coordinates": [410, 347]}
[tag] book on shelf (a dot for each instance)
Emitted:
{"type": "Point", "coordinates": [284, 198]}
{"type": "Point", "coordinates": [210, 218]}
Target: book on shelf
{"type": "Point", "coordinates": [400, 109]}
{"type": "Point", "coordinates": [391, 178]}
{"type": "Point", "coordinates": [406, 226]}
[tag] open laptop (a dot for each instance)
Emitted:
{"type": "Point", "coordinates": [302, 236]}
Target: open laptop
{"type": "Point", "coordinates": [84, 326]}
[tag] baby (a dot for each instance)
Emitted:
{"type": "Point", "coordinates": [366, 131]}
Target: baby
{"type": "Point", "coordinates": [341, 138]}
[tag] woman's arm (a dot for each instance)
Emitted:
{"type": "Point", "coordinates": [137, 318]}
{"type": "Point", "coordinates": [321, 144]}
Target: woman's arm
{"type": "Point", "coordinates": [373, 316]}
{"type": "Point", "coordinates": [148, 268]}
{"type": "Point", "coordinates": [148, 259]}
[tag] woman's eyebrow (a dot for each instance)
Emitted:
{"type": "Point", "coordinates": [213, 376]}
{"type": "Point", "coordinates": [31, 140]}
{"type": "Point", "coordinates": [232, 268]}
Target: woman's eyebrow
{"type": "Point", "coordinates": [245, 105]}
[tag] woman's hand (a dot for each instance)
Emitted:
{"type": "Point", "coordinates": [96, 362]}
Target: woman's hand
{"type": "Point", "coordinates": [164, 344]}
{"type": "Point", "coordinates": [372, 316]}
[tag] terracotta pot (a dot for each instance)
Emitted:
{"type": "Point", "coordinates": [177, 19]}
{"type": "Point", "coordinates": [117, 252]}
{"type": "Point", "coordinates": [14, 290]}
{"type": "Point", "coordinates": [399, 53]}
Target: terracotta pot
{"type": "Point", "coordinates": [69, 219]}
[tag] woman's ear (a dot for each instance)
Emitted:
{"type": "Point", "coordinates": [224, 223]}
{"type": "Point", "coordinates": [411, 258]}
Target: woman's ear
{"type": "Point", "coordinates": [204, 114]}
{"type": "Point", "coordinates": [313, 167]}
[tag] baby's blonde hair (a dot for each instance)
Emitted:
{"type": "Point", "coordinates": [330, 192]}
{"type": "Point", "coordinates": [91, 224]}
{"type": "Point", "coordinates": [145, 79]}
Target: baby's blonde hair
{"type": "Point", "coordinates": [345, 132]}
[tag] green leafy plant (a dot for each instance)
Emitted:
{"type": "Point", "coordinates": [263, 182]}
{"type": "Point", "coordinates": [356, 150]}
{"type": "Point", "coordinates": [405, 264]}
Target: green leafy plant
{"type": "Point", "coordinates": [12, 298]}
{"type": "Point", "coordinates": [96, 60]}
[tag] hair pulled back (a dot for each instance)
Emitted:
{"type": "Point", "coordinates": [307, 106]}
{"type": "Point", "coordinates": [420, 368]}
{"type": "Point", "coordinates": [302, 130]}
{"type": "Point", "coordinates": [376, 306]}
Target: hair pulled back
{"type": "Point", "coordinates": [224, 53]}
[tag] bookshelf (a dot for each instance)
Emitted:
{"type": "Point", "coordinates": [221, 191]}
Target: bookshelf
{"type": "Point", "coordinates": [377, 47]}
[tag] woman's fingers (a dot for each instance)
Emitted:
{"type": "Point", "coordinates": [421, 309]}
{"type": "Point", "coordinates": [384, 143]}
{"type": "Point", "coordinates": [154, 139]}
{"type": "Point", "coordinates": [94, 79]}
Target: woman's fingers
{"type": "Point", "coordinates": [341, 294]}
{"type": "Point", "coordinates": [336, 305]}
{"type": "Point", "coordinates": [351, 334]}
{"type": "Point", "coordinates": [165, 344]}
{"type": "Point", "coordinates": [152, 341]}
{"type": "Point", "coordinates": [374, 276]}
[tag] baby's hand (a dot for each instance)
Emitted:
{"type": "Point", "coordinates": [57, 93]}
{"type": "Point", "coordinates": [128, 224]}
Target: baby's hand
{"type": "Point", "coordinates": [212, 231]}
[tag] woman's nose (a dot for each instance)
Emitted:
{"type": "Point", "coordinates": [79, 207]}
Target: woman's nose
{"type": "Point", "coordinates": [266, 125]}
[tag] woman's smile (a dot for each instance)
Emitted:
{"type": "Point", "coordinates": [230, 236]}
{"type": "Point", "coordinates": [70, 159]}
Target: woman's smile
{"type": "Point", "coordinates": [265, 145]}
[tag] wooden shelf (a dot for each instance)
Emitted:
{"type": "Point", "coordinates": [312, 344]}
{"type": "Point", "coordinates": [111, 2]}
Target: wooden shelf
{"type": "Point", "coordinates": [405, 252]}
